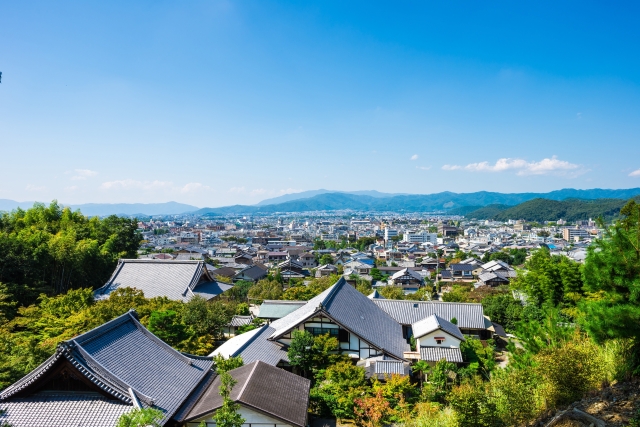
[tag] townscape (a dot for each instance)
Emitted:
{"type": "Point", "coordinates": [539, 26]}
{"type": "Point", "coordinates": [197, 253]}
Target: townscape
{"type": "Point", "coordinates": [363, 319]}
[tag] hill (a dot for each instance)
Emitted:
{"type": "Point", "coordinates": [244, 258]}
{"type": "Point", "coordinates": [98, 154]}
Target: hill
{"type": "Point", "coordinates": [438, 202]}
{"type": "Point", "coordinates": [570, 210]}
{"type": "Point", "coordinates": [487, 212]}
{"type": "Point", "coordinates": [312, 193]}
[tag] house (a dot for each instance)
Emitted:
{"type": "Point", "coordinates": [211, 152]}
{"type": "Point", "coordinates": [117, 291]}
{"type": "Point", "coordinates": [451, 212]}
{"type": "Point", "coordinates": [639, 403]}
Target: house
{"type": "Point", "coordinates": [408, 279]}
{"type": "Point", "coordinates": [291, 269]}
{"type": "Point", "coordinates": [470, 316]}
{"type": "Point", "coordinates": [277, 256]}
{"type": "Point", "coordinates": [94, 378]}
{"type": "Point", "coordinates": [251, 273]}
{"type": "Point", "coordinates": [237, 321]}
{"type": "Point", "coordinates": [266, 396]}
{"type": "Point", "coordinates": [383, 368]}
{"type": "Point", "coordinates": [307, 260]}
{"type": "Point", "coordinates": [326, 270]}
{"type": "Point", "coordinates": [363, 330]}
{"type": "Point", "coordinates": [176, 280]}
{"type": "Point", "coordinates": [244, 258]}
{"type": "Point", "coordinates": [437, 339]}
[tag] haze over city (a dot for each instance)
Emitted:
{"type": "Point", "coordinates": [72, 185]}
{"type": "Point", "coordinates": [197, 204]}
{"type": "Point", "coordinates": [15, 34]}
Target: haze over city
{"type": "Point", "coordinates": [214, 103]}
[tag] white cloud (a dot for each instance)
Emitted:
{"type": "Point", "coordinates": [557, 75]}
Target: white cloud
{"type": "Point", "coordinates": [635, 173]}
{"type": "Point", "coordinates": [290, 191]}
{"type": "Point", "coordinates": [451, 167]}
{"type": "Point", "coordinates": [544, 167]}
{"type": "Point", "coordinates": [134, 184]}
{"type": "Point", "coordinates": [414, 157]}
{"type": "Point", "coordinates": [81, 174]}
{"type": "Point", "coordinates": [237, 190]}
{"type": "Point", "coordinates": [31, 187]}
{"type": "Point", "coordinates": [258, 192]}
{"type": "Point", "coordinates": [424, 168]}
{"type": "Point", "coordinates": [193, 187]}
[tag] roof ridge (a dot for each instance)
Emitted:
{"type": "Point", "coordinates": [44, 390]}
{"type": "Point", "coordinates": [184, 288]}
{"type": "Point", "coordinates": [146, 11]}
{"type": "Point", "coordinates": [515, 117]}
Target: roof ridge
{"type": "Point", "coordinates": [333, 290]}
{"type": "Point", "coordinates": [244, 386]}
{"type": "Point", "coordinates": [104, 328]}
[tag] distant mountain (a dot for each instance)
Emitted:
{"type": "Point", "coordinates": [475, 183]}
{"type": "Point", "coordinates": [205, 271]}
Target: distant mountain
{"type": "Point", "coordinates": [551, 210]}
{"type": "Point", "coordinates": [479, 212]}
{"type": "Point", "coordinates": [9, 205]}
{"type": "Point", "coordinates": [103, 209]}
{"type": "Point", "coordinates": [439, 202]}
{"type": "Point", "coordinates": [313, 193]}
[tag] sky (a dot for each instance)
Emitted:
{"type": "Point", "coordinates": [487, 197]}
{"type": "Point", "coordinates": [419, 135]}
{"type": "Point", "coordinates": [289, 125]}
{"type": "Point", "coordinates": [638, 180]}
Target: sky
{"type": "Point", "coordinates": [214, 103]}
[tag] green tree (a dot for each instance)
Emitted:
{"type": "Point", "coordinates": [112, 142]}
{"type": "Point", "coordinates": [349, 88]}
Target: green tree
{"type": "Point", "coordinates": [166, 325]}
{"type": "Point", "coordinates": [143, 417]}
{"type": "Point", "coordinates": [326, 259]}
{"type": "Point", "coordinates": [227, 415]}
{"type": "Point", "coordinates": [422, 368]}
{"type": "Point", "coordinates": [503, 309]}
{"type": "Point", "coordinates": [301, 352]}
{"type": "Point", "coordinates": [612, 274]}
{"type": "Point", "coordinates": [228, 364]}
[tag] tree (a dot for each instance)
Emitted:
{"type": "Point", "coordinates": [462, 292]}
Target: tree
{"type": "Point", "coordinates": [226, 365]}
{"type": "Point", "coordinates": [504, 310]}
{"type": "Point", "coordinates": [301, 352]}
{"type": "Point", "coordinates": [227, 415]}
{"type": "Point", "coordinates": [422, 368]}
{"type": "Point", "coordinates": [143, 417]}
{"type": "Point", "coordinates": [266, 289]}
{"type": "Point", "coordinates": [391, 292]}
{"type": "Point", "coordinates": [371, 411]}
{"type": "Point", "coordinates": [166, 325]}
{"type": "Point", "coordinates": [612, 275]}
{"type": "Point", "coordinates": [326, 259]}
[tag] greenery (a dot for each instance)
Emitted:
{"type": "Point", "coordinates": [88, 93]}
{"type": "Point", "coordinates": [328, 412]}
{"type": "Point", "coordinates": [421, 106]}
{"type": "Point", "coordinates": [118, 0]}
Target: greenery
{"type": "Point", "coordinates": [227, 415]}
{"type": "Point", "coordinates": [541, 210]}
{"type": "Point", "coordinates": [50, 250]}
{"type": "Point", "coordinates": [31, 334]}
{"type": "Point", "coordinates": [143, 417]}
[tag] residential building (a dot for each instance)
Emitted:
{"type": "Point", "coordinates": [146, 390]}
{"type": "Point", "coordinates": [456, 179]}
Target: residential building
{"type": "Point", "coordinates": [420, 237]}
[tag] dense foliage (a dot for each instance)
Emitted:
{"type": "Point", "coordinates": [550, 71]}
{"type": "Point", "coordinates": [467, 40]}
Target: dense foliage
{"type": "Point", "coordinates": [31, 336]}
{"type": "Point", "coordinates": [50, 249]}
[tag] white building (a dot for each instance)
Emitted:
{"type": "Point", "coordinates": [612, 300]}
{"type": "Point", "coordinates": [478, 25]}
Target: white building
{"type": "Point", "coordinates": [420, 237]}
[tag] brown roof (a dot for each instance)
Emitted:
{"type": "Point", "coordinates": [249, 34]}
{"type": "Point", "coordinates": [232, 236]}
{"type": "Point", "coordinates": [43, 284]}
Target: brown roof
{"type": "Point", "coordinates": [263, 388]}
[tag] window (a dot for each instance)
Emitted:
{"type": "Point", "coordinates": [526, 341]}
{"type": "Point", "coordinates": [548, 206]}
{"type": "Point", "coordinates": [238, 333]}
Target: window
{"type": "Point", "coordinates": [321, 331]}
{"type": "Point", "coordinates": [439, 340]}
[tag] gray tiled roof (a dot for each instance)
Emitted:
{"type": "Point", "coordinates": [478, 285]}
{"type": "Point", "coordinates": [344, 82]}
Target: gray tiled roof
{"type": "Point", "coordinates": [121, 355]}
{"type": "Point", "coordinates": [208, 290]}
{"type": "Point", "coordinates": [390, 367]}
{"type": "Point", "coordinates": [254, 345]}
{"type": "Point", "coordinates": [238, 320]}
{"type": "Point", "coordinates": [274, 309]}
{"type": "Point", "coordinates": [262, 387]}
{"type": "Point", "coordinates": [176, 280]}
{"type": "Point", "coordinates": [405, 312]}
{"type": "Point", "coordinates": [436, 354]}
{"type": "Point", "coordinates": [375, 295]}
{"type": "Point", "coordinates": [353, 311]}
{"type": "Point", "coordinates": [78, 409]}
{"type": "Point", "coordinates": [434, 323]}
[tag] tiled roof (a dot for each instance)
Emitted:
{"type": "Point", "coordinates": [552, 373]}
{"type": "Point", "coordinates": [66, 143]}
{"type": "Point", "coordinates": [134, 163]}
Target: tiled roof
{"type": "Point", "coordinates": [390, 367]}
{"type": "Point", "coordinates": [434, 323]}
{"type": "Point", "coordinates": [254, 345]}
{"type": "Point", "coordinates": [375, 295]}
{"type": "Point", "coordinates": [262, 387]}
{"type": "Point", "coordinates": [238, 320]}
{"type": "Point", "coordinates": [176, 280]}
{"type": "Point", "coordinates": [353, 311]}
{"type": "Point", "coordinates": [436, 354]}
{"type": "Point", "coordinates": [273, 309]}
{"type": "Point", "coordinates": [122, 358]}
{"type": "Point", "coordinates": [78, 409]}
{"type": "Point", "coordinates": [209, 290]}
{"type": "Point", "coordinates": [462, 267]}
{"type": "Point", "coordinates": [405, 312]}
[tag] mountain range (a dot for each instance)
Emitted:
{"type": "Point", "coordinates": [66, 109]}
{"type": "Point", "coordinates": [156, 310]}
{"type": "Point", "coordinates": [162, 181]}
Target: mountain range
{"type": "Point", "coordinates": [438, 202]}
{"type": "Point", "coordinates": [363, 201]}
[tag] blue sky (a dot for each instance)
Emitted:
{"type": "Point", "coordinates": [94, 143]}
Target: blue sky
{"type": "Point", "coordinates": [215, 102]}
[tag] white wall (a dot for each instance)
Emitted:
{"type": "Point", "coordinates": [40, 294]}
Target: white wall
{"type": "Point", "coordinates": [256, 419]}
{"type": "Point", "coordinates": [429, 340]}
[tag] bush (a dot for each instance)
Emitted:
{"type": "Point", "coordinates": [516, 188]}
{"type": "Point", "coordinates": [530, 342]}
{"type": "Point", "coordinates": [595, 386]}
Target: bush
{"type": "Point", "coordinates": [474, 404]}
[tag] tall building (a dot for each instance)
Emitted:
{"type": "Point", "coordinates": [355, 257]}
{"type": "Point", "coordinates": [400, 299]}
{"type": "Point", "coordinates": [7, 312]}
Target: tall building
{"type": "Point", "coordinates": [420, 237]}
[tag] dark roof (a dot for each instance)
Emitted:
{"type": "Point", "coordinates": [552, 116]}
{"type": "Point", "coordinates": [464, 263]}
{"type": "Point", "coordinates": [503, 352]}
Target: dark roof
{"type": "Point", "coordinates": [406, 312]}
{"type": "Point", "coordinates": [238, 320]}
{"type": "Point", "coordinates": [499, 330]}
{"type": "Point", "coordinates": [353, 311]}
{"type": "Point", "coordinates": [175, 280]}
{"type": "Point", "coordinates": [253, 272]}
{"type": "Point", "coordinates": [263, 388]}
{"type": "Point", "coordinates": [462, 267]}
{"type": "Point", "coordinates": [126, 362]}
{"type": "Point", "coordinates": [210, 290]}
